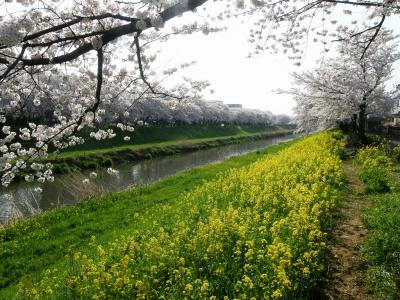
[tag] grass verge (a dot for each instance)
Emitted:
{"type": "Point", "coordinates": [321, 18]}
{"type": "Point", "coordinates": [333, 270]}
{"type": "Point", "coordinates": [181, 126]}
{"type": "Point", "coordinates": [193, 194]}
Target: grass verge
{"type": "Point", "coordinates": [381, 249]}
{"type": "Point", "coordinates": [30, 247]}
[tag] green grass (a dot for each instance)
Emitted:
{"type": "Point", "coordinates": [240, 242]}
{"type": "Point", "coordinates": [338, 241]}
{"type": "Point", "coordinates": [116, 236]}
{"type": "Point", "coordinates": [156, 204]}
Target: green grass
{"type": "Point", "coordinates": [87, 157]}
{"type": "Point", "coordinates": [381, 250]}
{"type": "Point", "coordinates": [30, 247]}
{"type": "Point", "coordinates": [106, 157]}
{"type": "Point", "coordinates": [161, 136]}
{"type": "Point", "coordinates": [108, 152]}
{"type": "Point", "coordinates": [183, 141]}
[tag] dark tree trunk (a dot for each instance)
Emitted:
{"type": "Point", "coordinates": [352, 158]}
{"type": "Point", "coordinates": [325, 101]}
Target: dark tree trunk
{"type": "Point", "coordinates": [362, 118]}
{"type": "Point", "coordinates": [353, 130]}
{"type": "Point", "coordinates": [354, 123]}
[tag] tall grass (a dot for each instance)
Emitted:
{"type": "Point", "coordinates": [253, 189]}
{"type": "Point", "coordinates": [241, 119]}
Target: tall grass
{"type": "Point", "coordinates": [81, 189]}
{"type": "Point", "coordinates": [18, 210]}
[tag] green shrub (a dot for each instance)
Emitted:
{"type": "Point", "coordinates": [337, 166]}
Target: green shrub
{"type": "Point", "coordinates": [338, 147]}
{"type": "Point", "coordinates": [379, 142]}
{"type": "Point", "coordinates": [88, 164]}
{"type": "Point", "coordinates": [337, 135]}
{"type": "Point", "coordinates": [376, 170]}
{"type": "Point", "coordinates": [396, 154]}
{"type": "Point", "coordinates": [61, 168]}
{"type": "Point", "coordinates": [106, 162]}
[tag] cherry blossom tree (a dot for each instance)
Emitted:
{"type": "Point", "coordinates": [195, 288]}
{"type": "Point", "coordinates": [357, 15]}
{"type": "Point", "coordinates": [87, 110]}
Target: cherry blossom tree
{"type": "Point", "coordinates": [283, 119]}
{"type": "Point", "coordinates": [83, 58]}
{"type": "Point", "coordinates": [158, 111]}
{"type": "Point", "coordinates": [348, 87]}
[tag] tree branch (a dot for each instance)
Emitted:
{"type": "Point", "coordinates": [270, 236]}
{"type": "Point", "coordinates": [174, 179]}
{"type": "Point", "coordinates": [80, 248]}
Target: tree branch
{"type": "Point", "coordinates": [14, 64]}
{"type": "Point", "coordinates": [100, 60]}
{"type": "Point", "coordinates": [109, 35]}
{"type": "Point", "coordinates": [378, 28]}
{"type": "Point", "coordinates": [76, 21]}
{"type": "Point", "coordinates": [362, 3]}
{"type": "Point", "coordinates": [139, 58]}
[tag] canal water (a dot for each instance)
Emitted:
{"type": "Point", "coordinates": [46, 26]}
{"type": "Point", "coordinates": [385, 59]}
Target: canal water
{"type": "Point", "coordinates": [23, 199]}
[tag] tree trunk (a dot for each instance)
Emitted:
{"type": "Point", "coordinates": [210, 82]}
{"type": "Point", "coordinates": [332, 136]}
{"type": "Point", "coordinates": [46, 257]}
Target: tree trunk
{"type": "Point", "coordinates": [354, 124]}
{"type": "Point", "coordinates": [362, 118]}
{"type": "Point", "coordinates": [352, 130]}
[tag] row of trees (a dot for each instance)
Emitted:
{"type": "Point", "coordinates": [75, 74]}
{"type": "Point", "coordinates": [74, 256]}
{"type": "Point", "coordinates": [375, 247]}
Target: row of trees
{"type": "Point", "coordinates": [152, 110]}
{"type": "Point", "coordinates": [192, 111]}
{"type": "Point", "coordinates": [102, 49]}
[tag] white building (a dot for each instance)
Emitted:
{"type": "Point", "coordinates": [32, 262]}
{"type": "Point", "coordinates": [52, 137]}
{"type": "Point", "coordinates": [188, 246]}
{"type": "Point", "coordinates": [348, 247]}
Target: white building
{"type": "Point", "coordinates": [215, 102]}
{"type": "Point", "coordinates": [234, 106]}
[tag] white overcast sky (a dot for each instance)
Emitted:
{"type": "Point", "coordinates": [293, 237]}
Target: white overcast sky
{"type": "Point", "coordinates": [221, 59]}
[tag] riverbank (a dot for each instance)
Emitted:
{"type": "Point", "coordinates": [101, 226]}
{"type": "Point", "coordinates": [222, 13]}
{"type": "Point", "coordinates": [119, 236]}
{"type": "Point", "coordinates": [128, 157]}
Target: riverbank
{"type": "Point", "coordinates": [160, 134]}
{"type": "Point", "coordinates": [30, 247]}
{"type": "Point", "coordinates": [107, 156]}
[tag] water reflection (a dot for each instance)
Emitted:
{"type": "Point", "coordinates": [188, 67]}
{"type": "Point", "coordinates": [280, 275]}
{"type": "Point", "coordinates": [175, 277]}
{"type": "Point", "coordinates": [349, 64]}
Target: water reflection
{"type": "Point", "coordinates": [21, 198]}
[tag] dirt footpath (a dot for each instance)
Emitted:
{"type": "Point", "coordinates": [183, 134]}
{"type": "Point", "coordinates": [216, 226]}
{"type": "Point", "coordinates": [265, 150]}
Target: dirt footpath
{"type": "Point", "coordinates": [348, 235]}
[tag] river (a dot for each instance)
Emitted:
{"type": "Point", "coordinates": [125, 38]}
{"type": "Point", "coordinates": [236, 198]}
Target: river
{"type": "Point", "coordinates": [21, 199]}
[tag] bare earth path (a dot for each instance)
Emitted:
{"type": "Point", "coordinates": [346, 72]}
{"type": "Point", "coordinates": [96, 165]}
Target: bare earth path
{"type": "Point", "coordinates": [348, 235]}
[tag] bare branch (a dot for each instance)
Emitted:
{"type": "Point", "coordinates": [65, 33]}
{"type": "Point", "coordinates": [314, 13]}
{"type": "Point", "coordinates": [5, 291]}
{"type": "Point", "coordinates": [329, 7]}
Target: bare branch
{"type": "Point", "coordinates": [142, 75]}
{"type": "Point", "coordinates": [100, 60]}
{"type": "Point", "coordinates": [14, 64]}
{"type": "Point", "coordinates": [363, 3]}
{"type": "Point", "coordinates": [378, 28]}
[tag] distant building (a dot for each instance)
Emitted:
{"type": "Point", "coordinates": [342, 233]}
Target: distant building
{"type": "Point", "coordinates": [234, 106]}
{"type": "Point", "coordinates": [215, 102]}
{"type": "Point", "coordinates": [393, 121]}
{"type": "Point", "coordinates": [395, 117]}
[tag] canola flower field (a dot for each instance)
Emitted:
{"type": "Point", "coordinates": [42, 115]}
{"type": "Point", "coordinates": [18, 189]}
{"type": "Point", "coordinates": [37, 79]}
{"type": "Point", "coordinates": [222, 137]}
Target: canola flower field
{"type": "Point", "coordinates": [254, 232]}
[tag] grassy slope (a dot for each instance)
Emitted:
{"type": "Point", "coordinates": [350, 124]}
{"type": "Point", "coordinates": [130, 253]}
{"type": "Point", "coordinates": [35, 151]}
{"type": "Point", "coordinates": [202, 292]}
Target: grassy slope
{"type": "Point", "coordinates": [192, 141]}
{"type": "Point", "coordinates": [145, 137]}
{"type": "Point", "coordinates": [30, 247]}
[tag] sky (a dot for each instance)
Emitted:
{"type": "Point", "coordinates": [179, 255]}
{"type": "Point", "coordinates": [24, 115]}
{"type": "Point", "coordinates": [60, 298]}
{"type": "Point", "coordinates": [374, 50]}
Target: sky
{"type": "Point", "coordinates": [221, 59]}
